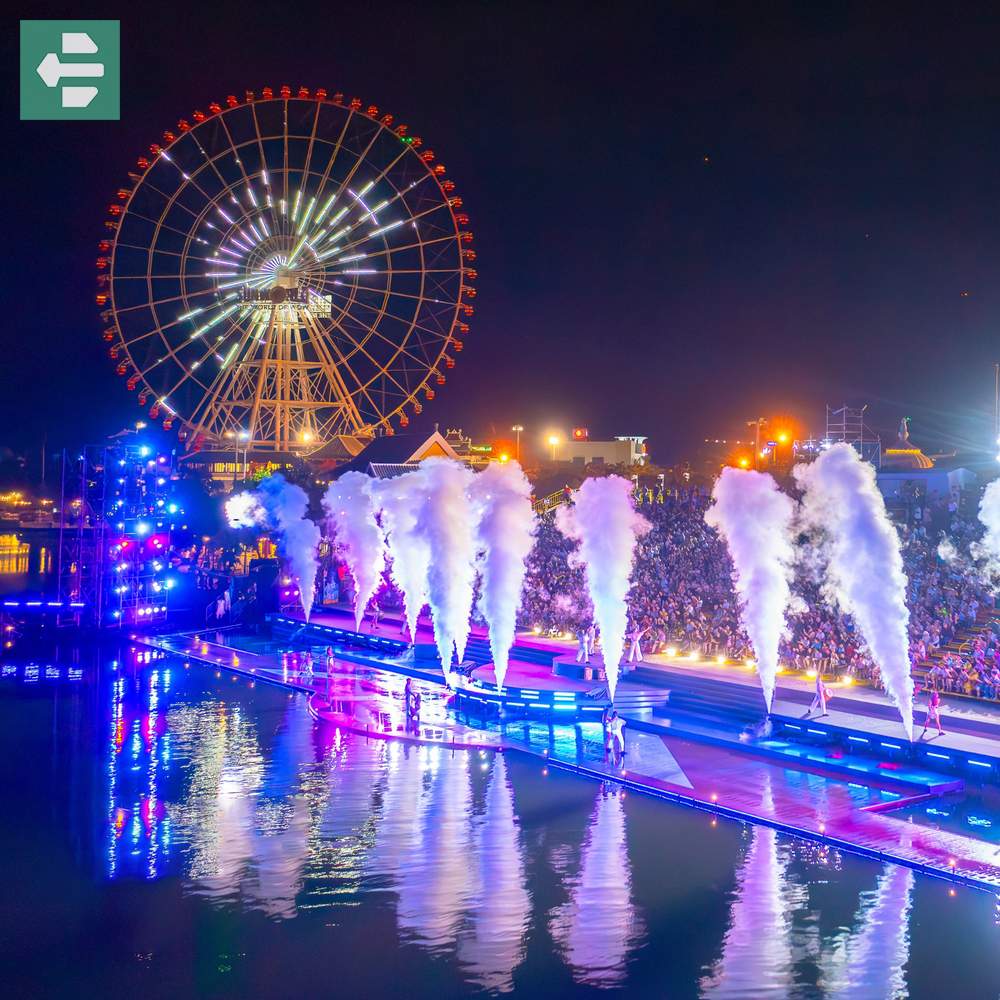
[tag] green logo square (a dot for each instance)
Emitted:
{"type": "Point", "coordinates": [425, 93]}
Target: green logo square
{"type": "Point", "coordinates": [70, 70]}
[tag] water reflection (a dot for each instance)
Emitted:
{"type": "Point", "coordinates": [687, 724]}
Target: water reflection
{"type": "Point", "coordinates": [757, 954]}
{"type": "Point", "coordinates": [494, 946]}
{"type": "Point", "coordinates": [598, 925]}
{"type": "Point", "coordinates": [257, 807]}
{"type": "Point", "coordinates": [137, 758]}
{"type": "Point", "coordinates": [869, 962]}
{"type": "Point", "coordinates": [763, 953]}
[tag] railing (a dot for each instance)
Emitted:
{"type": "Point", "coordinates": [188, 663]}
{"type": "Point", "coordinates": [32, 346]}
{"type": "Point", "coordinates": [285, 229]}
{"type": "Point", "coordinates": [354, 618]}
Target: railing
{"type": "Point", "coordinates": [550, 502]}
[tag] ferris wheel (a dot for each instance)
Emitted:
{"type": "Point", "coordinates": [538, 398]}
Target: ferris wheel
{"type": "Point", "coordinates": [286, 269]}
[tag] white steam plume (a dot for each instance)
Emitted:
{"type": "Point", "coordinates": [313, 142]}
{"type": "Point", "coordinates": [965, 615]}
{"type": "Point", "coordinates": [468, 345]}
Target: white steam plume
{"type": "Point", "coordinates": [350, 510]}
{"type": "Point", "coordinates": [445, 523]}
{"type": "Point", "coordinates": [298, 537]}
{"type": "Point", "coordinates": [505, 532]}
{"type": "Point", "coordinates": [243, 510]}
{"type": "Point", "coordinates": [401, 500]}
{"type": "Point", "coordinates": [755, 519]}
{"type": "Point", "coordinates": [607, 526]}
{"type": "Point", "coordinates": [987, 549]}
{"type": "Point", "coordinates": [865, 566]}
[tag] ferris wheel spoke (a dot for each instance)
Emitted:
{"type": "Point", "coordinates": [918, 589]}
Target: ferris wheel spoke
{"type": "Point", "coordinates": [312, 142]}
{"type": "Point", "coordinates": [239, 159]}
{"type": "Point", "coordinates": [167, 253]}
{"type": "Point", "coordinates": [381, 230]}
{"type": "Point", "coordinates": [170, 200]}
{"type": "Point", "coordinates": [411, 324]}
{"type": "Point", "coordinates": [378, 366]}
{"type": "Point", "coordinates": [158, 224]}
{"type": "Point", "coordinates": [152, 303]}
{"type": "Point", "coordinates": [152, 332]}
{"type": "Point", "coordinates": [337, 147]}
{"type": "Point", "coordinates": [409, 295]}
{"type": "Point", "coordinates": [174, 352]}
{"type": "Point", "coordinates": [263, 160]}
{"type": "Point", "coordinates": [400, 347]}
{"type": "Point", "coordinates": [413, 246]}
{"type": "Point", "coordinates": [334, 370]}
{"type": "Point", "coordinates": [346, 249]}
{"type": "Point", "coordinates": [188, 372]}
{"type": "Point", "coordinates": [227, 375]}
{"type": "Point", "coordinates": [261, 376]}
{"type": "Point", "coordinates": [354, 169]}
{"type": "Point", "coordinates": [377, 180]}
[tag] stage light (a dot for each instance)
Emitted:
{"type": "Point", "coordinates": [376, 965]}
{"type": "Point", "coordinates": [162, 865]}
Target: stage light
{"type": "Point", "coordinates": [671, 650]}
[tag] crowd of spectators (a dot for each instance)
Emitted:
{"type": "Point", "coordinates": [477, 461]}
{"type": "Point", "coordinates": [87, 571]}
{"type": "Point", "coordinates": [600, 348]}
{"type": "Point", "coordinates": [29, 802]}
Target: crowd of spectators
{"type": "Point", "coordinates": [683, 598]}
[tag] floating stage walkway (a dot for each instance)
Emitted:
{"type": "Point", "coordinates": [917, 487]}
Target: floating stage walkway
{"type": "Point", "coordinates": [687, 733]}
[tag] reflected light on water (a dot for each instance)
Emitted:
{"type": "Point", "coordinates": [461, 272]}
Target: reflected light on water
{"type": "Point", "coordinates": [598, 925]}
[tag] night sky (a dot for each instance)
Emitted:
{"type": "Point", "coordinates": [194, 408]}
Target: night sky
{"type": "Point", "coordinates": [684, 216]}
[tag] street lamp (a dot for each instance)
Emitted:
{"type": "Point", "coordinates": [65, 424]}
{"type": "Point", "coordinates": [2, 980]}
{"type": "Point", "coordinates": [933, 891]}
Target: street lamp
{"type": "Point", "coordinates": [239, 436]}
{"type": "Point", "coordinates": [517, 428]}
{"type": "Point", "coordinates": [756, 425]}
{"type": "Point", "coordinates": [553, 442]}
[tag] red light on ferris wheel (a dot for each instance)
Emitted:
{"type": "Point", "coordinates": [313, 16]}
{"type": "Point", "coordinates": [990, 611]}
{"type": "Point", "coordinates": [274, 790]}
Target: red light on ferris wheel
{"type": "Point", "coordinates": [580, 434]}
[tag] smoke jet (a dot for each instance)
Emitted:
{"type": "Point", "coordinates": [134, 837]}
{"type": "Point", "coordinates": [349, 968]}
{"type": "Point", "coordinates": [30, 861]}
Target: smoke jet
{"type": "Point", "coordinates": [863, 559]}
{"type": "Point", "coordinates": [243, 510]}
{"type": "Point", "coordinates": [607, 526]}
{"type": "Point", "coordinates": [401, 500]}
{"type": "Point", "coordinates": [505, 532]}
{"type": "Point", "coordinates": [987, 549]}
{"type": "Point", "coordinates": [298, 537]}
{"type": "Point", "coordinates": [350, 510]}
{"type": "Point", "coordinates": [755, 519]}
{"type": "Point", "coordinates": [445, 523]}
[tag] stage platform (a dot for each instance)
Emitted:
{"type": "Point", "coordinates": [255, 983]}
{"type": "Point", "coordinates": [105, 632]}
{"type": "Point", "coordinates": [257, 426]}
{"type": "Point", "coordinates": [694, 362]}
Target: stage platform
{"type": "Point", "coordinates": [795, 795]}
{"type": "Point", "coordinates": [711, 702]}
{"type": "Point", "coordinates": [715, 701]}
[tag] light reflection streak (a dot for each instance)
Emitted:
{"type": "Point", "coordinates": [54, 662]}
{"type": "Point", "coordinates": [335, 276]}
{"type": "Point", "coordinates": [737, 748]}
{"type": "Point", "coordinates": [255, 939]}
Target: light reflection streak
{"type": "Point", "coordinates": [598, 926]}
{"type": "Point", "coordinates": [870, 962]}
{"type": "Point", "coordinates": [495, 946]}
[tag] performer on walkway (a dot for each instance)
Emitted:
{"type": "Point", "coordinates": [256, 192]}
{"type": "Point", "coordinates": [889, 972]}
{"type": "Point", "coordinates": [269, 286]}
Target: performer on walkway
{"type": "Point", "coordinates": [635, 650]}
{"type": "Point", "coordinates": [591, 640]}
{"type": "Point", "coordinates": [933, 712]}
{"type": "Point", "coordinates": [376, 613]}
{"type": "Point", "coordinates": [330, 661]}
{"type": "Point", "coordinates": [411, 701]}
{"type": "Point", "coordinates": [582, 656]}
{"type": "Point", "coordinates": [616, 727]}
{"type": "Point", "coordinates": [821, 698]}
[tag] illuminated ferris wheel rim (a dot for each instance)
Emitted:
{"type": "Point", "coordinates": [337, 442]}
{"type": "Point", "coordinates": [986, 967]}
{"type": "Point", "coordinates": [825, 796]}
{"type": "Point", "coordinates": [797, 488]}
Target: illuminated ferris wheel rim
{"type": "Point", "coordinates": [291, 275]}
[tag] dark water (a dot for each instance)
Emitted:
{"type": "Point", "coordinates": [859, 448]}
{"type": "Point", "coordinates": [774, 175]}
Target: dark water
{"type": "Point", "coordinates": [167, 832]}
